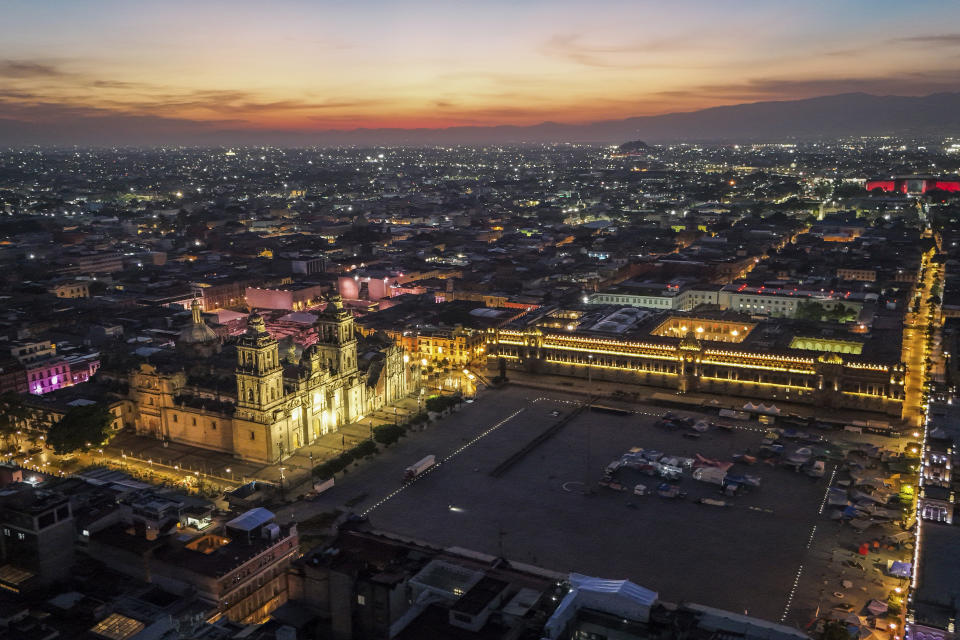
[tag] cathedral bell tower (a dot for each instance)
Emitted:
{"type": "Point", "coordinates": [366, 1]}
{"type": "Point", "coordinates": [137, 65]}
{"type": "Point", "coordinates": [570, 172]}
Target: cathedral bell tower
{"type": "Point", "coordinates": [259, 372]}
{"type": "Point", "coordinates": [336, 342]}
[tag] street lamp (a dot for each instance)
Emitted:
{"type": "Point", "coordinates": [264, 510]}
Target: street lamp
{"type": "Point", "coordinates": [590, 370]}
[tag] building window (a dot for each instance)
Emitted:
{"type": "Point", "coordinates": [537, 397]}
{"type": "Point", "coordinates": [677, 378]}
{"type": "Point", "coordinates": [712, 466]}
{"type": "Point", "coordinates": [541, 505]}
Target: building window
{"type": "Point", "coordinates": [174, 417]}
{"type": "Point", "coordinates": [253, 435]}
{"type": "Point", "coordinates": [361, 599]}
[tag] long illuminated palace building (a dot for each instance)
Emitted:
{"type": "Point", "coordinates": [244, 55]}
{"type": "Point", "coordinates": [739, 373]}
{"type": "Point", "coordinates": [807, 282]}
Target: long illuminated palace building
{"type": "Point", "coordinates": [717, 353]}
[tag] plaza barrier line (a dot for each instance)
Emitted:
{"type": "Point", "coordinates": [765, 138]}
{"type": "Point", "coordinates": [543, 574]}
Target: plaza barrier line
{"type": "Point", "coordinates": [504, 466]}
{"type": "Point", "coordinates": [480, 376]}
{"type": "Point", "coordinates": [175, 469]}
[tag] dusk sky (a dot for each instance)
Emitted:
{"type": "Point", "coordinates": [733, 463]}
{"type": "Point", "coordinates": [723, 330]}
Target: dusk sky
{"type": "Point", "coordinates": [312, 65]}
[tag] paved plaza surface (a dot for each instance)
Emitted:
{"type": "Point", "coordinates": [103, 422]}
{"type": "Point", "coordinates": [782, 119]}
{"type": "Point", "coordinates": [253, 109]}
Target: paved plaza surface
{"type": "Point", "coordinates": [743, 557]}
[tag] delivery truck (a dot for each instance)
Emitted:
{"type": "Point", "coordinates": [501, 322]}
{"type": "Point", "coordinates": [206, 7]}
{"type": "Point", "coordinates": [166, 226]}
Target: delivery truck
{"type": "Point", "coordinates": [712, 475]}
{"type": "Point", "coordinates": [419, 467]}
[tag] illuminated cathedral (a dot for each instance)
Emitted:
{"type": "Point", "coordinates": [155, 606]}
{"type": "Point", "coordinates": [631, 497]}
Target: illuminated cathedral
{"type": "Point", "coordinates": [277, 405]}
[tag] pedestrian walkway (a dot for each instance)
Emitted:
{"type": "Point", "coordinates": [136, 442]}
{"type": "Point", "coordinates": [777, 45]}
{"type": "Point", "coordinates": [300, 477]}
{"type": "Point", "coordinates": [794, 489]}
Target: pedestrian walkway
{"type": "Point", "coordinates": [655, 396]}
{"type": "Point", "coordinates": [174, 461]}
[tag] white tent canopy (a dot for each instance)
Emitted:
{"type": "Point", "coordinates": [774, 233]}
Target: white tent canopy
{"type": "Point", "coordinates": [621, 598]}
{"type": "Point", "coordinates": [772, 409]}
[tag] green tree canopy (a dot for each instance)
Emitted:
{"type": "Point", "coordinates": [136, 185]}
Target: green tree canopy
{"type": "Point", "coordinates": [80, 429]}
{"type": "Point", "coordinates": [809, 311]}
{"type": "Point", "coordinates": [835, 630]}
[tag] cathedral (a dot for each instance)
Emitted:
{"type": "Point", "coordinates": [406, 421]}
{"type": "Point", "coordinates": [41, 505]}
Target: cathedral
{"type": "Point", "coordinates": [276, 404]}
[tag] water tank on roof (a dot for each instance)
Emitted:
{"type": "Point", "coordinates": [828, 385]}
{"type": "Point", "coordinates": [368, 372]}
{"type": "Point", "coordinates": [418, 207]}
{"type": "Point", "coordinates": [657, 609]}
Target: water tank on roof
{"type": "Point", "coordinates": [271, 531]}
{"type": "Point", "coordinates": [286, 632]}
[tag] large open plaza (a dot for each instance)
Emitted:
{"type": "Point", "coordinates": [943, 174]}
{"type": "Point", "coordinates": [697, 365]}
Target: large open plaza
{"type": "Point", "coordinates": [740, 557]}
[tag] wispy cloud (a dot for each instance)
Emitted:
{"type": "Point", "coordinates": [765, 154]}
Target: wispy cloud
{"type": "Point", "coordinates": [28, 69]}
{"type": "Point", "coordinates": [633, 54]}
{"type": "Point", "coordinates": [934, 40]}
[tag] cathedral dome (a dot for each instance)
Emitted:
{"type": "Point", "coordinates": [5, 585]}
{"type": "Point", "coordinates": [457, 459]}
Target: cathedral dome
{"type": "Point", "coordinates": [197, 334]}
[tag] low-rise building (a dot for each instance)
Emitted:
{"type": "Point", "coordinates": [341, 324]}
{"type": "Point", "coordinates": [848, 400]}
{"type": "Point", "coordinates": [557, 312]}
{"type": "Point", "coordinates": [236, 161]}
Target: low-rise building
{"type": "Point", "coordinates": [73, 289]}
{"type": "Point", "coordinates": [36, 537]}
{"type": "Point", "coordinates": [458, 346]}
{"type": "Point", "coordinates": [238, 569]}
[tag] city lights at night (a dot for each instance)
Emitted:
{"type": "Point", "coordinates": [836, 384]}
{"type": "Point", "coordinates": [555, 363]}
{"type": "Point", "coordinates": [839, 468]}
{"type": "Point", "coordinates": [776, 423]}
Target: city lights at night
{"type": "Point", "coordinates": [511, 320]}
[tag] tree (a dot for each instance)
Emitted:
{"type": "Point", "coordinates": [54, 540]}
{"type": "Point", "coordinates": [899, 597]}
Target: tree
{"type": "Point", "coordinates": [13, 415]}
{"type": "Point", "coordinates": [835, 630]}
{"type": "Point", "coordinates": [80, 429]}
{"type": "Point", "coordinates": [846, 190]}
{"type": "Point", "coordinates": [809, 311]}
{"type": "Point", "coordinates": [387, 434]}
{"type": "Point", "coordinates": [840, 313]}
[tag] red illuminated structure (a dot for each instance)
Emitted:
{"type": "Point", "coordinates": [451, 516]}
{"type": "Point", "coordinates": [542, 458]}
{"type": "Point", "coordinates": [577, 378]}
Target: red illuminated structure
{"type": "Point", "coordinates": [913, 184]}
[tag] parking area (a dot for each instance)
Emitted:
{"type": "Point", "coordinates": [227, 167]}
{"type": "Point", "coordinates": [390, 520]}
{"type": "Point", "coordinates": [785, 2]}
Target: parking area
{"type": "Point", "coordinates": [548, 509]}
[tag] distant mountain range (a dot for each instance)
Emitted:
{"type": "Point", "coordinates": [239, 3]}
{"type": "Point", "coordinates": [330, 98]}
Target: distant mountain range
{"type": "Point", "coordinates": [849, 114]}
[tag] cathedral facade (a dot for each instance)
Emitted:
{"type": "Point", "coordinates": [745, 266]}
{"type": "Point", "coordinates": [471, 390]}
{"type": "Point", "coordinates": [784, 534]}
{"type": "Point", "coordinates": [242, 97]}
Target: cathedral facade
{"type": "Point", "coordinates": [278, 404]}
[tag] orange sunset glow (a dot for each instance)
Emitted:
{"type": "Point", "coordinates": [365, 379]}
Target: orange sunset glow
{"type": "Point", "coordinates": [309, 66]}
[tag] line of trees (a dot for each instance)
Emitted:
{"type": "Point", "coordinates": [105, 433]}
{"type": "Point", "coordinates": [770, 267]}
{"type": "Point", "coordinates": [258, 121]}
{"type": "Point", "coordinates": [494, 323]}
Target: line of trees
{"type": "Point", "coordinates": [816, 312]}
{"type": "Point", "coordinates": [80, 429]}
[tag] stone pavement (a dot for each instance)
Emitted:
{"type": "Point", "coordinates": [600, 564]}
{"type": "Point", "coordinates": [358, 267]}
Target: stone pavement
{"type": "Point", "coordinates": [645, 394]}
{"type": "Point", "coordinates": [173, 462]}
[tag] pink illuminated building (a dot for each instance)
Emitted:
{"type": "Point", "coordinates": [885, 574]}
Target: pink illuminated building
{"type": "Point", "coordinates": [48, 375]}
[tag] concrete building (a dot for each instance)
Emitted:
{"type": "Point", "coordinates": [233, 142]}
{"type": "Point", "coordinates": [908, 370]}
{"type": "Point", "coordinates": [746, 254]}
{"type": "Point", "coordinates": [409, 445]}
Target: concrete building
{"type": "Point", "coordinates": [237, 569]}
{"type": "Point", "coordinates": [13, 376]}
{"type": "Point", "coordinates": [36, 538]}
{"type": "Point", "coordinates": [289, 299]}
{"type": "Point", "coordinates": [784, 302]}
{"type": "Point", "coordinates": [367, 585]}
{"type": "Point", "coordinates": [770, 301]}
{"type": "Point", "coordinates": [457, 346]}
{"type": "Point", "coordinates": [27, 351]}
{"type": "Point", "coordinates": [860, 274]}
{"type": "Point", "coordinates": [92, 264]}
{"type": "Point", "coordinates": [76, 289]}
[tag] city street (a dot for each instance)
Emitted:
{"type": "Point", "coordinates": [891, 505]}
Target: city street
{"type": "Point", "coordinates": [915, 352]}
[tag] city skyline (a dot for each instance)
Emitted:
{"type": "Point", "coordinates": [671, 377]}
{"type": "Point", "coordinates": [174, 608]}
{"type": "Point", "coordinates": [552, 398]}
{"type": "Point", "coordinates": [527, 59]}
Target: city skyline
{"type": "Point", "coordinates": [514, 320]}
{"type": "Point", "coordinates": [295, 66]}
